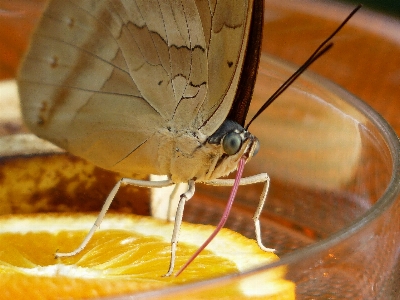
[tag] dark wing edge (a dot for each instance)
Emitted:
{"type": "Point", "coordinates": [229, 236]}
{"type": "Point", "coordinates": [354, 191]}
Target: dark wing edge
{"type": "Point", "coordinates": [244, 93]}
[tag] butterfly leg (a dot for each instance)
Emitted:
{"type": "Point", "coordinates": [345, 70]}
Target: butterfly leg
{"type": "Point", "coordinates": [259, 178]}
{"type": "Point", "coordinates": [256, 217]}
{"type": "Point", "coordinates": [179, 188]}
{"type": "Point", "coordinates": [106, 205]}
{"type": "Point", "coordinates": [177, 225]}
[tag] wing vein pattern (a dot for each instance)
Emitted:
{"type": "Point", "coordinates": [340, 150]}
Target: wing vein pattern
{"type": "Point", "coordinates": [102, 77]}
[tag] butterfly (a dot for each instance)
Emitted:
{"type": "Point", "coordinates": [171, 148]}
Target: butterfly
{"type": "Point", "coordinates": [148, 87]}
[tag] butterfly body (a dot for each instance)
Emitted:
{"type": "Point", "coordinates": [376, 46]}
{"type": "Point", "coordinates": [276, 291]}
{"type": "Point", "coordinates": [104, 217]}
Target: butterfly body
{"type": "Point", "coordinates": [147, 87]}
{"type": "Point", "coordinates": [137, 86]}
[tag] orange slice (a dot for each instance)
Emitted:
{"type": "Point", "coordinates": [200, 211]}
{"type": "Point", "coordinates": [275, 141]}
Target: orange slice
{"type": "Point", "coordinates": [129, 254]}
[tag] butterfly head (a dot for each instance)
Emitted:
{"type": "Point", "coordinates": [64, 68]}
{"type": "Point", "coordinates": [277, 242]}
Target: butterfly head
{"type": "Point", "coordinates": [205, 158]}
{"type": "Point", "coordinates": [233, 142]}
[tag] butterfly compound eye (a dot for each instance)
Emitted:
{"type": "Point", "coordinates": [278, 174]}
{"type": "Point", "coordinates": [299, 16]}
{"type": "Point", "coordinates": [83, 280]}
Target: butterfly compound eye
{"type": "Point", "coordinates": [232, 143]}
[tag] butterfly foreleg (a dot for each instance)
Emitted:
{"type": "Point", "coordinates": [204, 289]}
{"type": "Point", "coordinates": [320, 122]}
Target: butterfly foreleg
{"type": "Point", "coordinates": [178, 222]}
{"type": "Point", "coordinates": [106, 205]}
{"type": "Point", "coordinates": [259, 178]}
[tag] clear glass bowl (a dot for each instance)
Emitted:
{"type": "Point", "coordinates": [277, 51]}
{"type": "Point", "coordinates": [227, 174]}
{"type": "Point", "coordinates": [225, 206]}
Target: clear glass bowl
{"type": "Point", "coordinates": [333, 211]}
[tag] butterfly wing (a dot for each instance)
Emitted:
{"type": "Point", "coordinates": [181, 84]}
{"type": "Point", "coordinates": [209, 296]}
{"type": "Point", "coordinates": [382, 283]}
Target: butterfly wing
{"type": "Point", "coordinates": [230, 26]}
{"type": "Point", "coordinates": [102, 77]}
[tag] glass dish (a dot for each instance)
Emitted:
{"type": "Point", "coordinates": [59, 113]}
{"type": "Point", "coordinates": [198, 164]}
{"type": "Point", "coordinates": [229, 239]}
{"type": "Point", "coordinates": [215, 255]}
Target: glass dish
{"type": "Point", "coordinates": [333, 208]}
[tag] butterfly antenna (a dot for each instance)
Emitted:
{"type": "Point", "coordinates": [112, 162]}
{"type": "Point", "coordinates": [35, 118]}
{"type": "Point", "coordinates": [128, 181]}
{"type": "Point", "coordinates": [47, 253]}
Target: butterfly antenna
{"type": "Point", "coordinates": [322, 49]}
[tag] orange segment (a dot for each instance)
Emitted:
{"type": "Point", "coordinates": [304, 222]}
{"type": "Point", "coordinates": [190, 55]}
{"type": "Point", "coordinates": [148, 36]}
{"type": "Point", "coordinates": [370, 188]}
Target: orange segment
{"type": "Point", "coordinates": [128, 254]}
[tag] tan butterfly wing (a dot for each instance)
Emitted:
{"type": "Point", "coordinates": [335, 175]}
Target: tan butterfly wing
{"type": "Point", "coordinates": [102, 78]}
